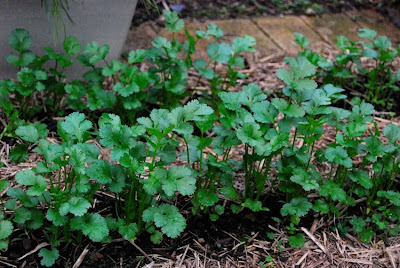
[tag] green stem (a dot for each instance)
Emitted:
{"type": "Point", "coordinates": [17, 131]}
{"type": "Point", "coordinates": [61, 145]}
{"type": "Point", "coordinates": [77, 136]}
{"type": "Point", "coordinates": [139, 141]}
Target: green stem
{"type": "Point", "coordinates": [3, 132]}
{"type": "Point", "coordinates": [311, 153]}
{"type": "Point", "coordinates": [187, 150]}
{"type": "Point", "coordinates": [267, 167]}
{"type": "Point", "coordinates": [247, 178]}
{"type": "Point", "coordinates": [201, 156]}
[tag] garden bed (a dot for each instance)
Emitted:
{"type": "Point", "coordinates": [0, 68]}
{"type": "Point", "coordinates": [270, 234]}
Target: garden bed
{"type": "Point", "coordinates": [165, 160]}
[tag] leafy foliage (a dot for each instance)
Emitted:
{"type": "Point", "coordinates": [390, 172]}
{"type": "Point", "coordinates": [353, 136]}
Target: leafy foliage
{"type": "Point", "coordinates": [156, 148]}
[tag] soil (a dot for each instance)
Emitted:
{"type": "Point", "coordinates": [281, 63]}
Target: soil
{"type": "Point", "coordinates": [226, 9]}
{"type": "Point", "coordinates": [217, 237]}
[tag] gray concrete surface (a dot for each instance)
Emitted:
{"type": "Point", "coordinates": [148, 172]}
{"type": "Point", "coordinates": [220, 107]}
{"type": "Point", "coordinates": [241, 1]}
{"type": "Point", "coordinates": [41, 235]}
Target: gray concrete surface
{"type": "Point", "coordinates": [104, 21]}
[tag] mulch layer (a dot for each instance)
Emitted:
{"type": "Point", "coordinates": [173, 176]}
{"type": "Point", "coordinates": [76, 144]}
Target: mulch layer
{"type": "Point", "coordinates": [243, 240]}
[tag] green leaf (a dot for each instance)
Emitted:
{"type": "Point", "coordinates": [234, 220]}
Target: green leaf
{"type": "Point", "coordinates": [196, 111]}
{"type": "Point", "coordinates": [303, 178]}
{"type": "Point", "coordinates": [330, 188]}
{"type": "Point", "coordinates": [392, 132]}
{"type": "Point", "coordinates": [292, 110]}
{"type": "Point", "coordinates": [49, 256]}
{"type": "Point", "coordinates": [54, 216]}
{"type": "Point", "coordinates": [20, 40]}
{"type": "Point", "coordinates": [76, 159]}
{"type": "Point", "coordinates": [156, 237]}
{"type": "Point", "coordinates": [392, 196]}
{"type": "Point", "coordinates": [301, 40]}
{"type": "Point", "coordinates": [136, 56]}
{"type": "Point", "coordinates": [367, 33]}
{"type": "Point", "coordinates": [22, 215]}
{"type": "Point", "coordinates": [101, 171]}
{"type": "Point", "coordinates": [41, 129]}
{"type": "Point", "coordinates": [219, 52]}
{"type": "Point", "coordinates": [285, 75]}
{"type": "Point", "coordinates": [10, 204]}
{"type": "Point", "coordinates": [252, 94]}
{"type": "Point", "coordinates": [3, 244]}
{"type": "Point", "coordinates": [75, 205]}
{"type": "Point", "coordinates": [235, 208]}
{"type": "Point", "coordinates": [92, 225]}
{"type": "Point", "coordinates": [51, 152]}
{"type": "Point", "coordinates": [128, 231]}
{"type": "Point", "coordinates": [24, 199]}
{"type": "Point", "coordinates": [382, 43]}
{"type": "Point", "coordinates": [298, 206]}
{"type": "Point", "coordinates": [306, 84]}
{"type": "Point", "coordinates": [206, 124]}
{"type": "Point", "coordinates": [214, 30]}
{"type": "Point", "coordinates": [201, 66]}
{"type": "Point", "coordinates": [3, 185]}
{"type": "Point", "coordinates": [228, 191]}
{"type": "Point", "coordinates": [207, 198]}
{"type": "Point", "coordinates": [23, 59]}
{"type": "Point", "coordinates": [370, 53]}
{"type": "Point", "coordinates": [180, 179]}
{"type": "Point", "coordinates": [76, 126]}
{"type": "Point", "coordinates": [339, 156]}
{"type": "Point", "coordinates": [366, 235]}
{"type": "Point", "coordinates": [113, 69]}
{"type": "Point", "coordinates": [301, 67]}
{"type": "Point", "coordinates": [320, 206]}
{"type": "Point", "coordinates": [26, 76]}
{"type": "Point", "coordinates": [245, 43]}
{"type": "Point", "coordinates": [40, 75]}
{"type": "Point", "coordinates": [364, 109]}
{"type": "Point", "coordinates": [28, 177]}
{"type": "Point", "coordinates": [95, 52]}
{"type": "Point", "coordinates": [250, 133]}
{"type": "Point", "coordinates": [362, 177]}
{"type": "Point", "coordinates": [264, 112]}
{"type": "Point", "coordinates": [232, 100]}
{"type": "Point", "coordinates": [213, 217]}
{"type": "Point", "coordinates": [173, 23]}
{"type": "Point", "coordinates": [71, 45]}
{"type": "Point", "coordinates": [120, 137]}
{"type": "Point", "coordinates": [28, 133]}
{"type": "Point", "coordinates": [36, 220]}
{"type": "Point", "coordinates": [254, 205]}
{"type": "Point", "coordinates": [126, 90]}
{"type": "Point", "coordinates": [166, 217]}
{"type": "Point", "coordinates": [219, 209]}
{"type": "Point", "coordinates": [297, 241]}
{"type": "Point", "coordinates": [358, 224]}
{"type": "Point", "coordinates": [6, 229]}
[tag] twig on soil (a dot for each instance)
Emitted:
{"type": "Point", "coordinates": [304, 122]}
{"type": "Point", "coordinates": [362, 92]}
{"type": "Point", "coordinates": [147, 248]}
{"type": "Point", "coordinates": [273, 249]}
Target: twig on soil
{"type": "Point", "coordinates": [141, 251]}
{"type": "Point", "coordinates": [183, 256]}
{"type": "Point", "coordinates": [302, 258]}
{"type": "Point", "coordinates": [358, 261]}
{"type": "Point", "coordinates": [8, 264]}
{"type": "Point", "coordinates": [38, 247]}
{"type": "Point", "coordinates": [312, 237]}
{"type": "Point", "coordinates": [81, 257]}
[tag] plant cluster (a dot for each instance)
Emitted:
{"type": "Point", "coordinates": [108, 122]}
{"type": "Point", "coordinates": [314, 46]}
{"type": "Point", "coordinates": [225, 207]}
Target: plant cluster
{"type": "Point", "coordinates": [377, 84]}
{"type": "Point", "coordinates": [299, 6]}
{"type": "Point", "coordinates": [180, 156]}
{"type": "Point", "coordinates": [134, 92]}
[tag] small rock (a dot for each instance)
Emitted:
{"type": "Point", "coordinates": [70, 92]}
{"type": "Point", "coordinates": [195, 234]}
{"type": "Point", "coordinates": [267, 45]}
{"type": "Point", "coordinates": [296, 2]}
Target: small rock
{"type": "Point", "coordinates": [310, 11]}
{"type": "Point", "coordinates": [177, 7]}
